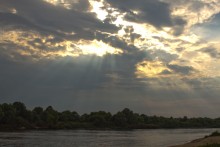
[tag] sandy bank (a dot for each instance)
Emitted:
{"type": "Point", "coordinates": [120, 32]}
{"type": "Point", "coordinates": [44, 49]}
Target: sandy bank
{"type": "Point", "coordinates": [200, 142]}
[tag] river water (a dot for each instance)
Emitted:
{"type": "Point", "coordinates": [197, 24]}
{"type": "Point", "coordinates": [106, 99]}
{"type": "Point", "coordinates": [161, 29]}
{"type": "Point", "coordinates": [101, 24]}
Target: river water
{"type": "Point", "coordinates": [87, 138]}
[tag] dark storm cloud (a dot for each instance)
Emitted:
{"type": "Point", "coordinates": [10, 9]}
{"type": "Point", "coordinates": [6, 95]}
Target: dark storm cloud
{"type": "Point", "coordinates": [130, 34]}
{"type": "Point", "coordinates": [163, 56]}
{"type": "Point", "coordinates": [50, 75]}
{"type": "Point", "coordinates": [69, 74]}
{"type": "Point", "coordinates": [47, 19]}
{"type": "Point", "coordinates": [117, 42]}
{"type": "Point", "coordinates": [153, 12]}
{"type": "Point", "coordinates": [91, 83]}
{"type": "Point", "coordinates": [185, 70]}
{"type": "Point", "coordinates": [213, 52]}
{"type": "Point", "coordinates": [166, 72]}
{"type": "Point", "coordinates": [56, 18]}
{"type": "Point", "coordinates": [12, 22]}
{"type": "Point", "coordinates": [12, 19]}
{"type": "Point", "coordinates": [54, 80]}
{"type": "Point", "coordinates": [82, 5]}
{"type": "Point", "coordinates": [178, 26]}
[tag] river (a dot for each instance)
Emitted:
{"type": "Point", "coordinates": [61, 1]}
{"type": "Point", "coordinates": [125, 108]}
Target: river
{"type": "Point", "coordinates": [87, 138]}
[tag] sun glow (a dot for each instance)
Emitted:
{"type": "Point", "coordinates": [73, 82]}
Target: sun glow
{"type": "Point", "coordinates": [63, 3]}
{"type": "Point", "coordinates": [98, 48]}
{"type": "Point", "coordinates": [97, 8]}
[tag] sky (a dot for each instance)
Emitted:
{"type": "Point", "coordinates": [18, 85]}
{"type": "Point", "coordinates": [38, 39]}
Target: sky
{"type": "Point", "coordinates": [157, 57]}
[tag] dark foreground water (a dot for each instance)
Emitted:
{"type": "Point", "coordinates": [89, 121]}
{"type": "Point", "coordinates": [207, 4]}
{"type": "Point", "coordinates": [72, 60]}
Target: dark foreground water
{"type": "Point", "coordinates": [85, 138]}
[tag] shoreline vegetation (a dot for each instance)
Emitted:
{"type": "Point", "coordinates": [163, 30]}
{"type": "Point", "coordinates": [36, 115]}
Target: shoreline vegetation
{"type": "Point", "coordinates": [16, 116]}
{"type": "Point", "coordinates": [212, 140]}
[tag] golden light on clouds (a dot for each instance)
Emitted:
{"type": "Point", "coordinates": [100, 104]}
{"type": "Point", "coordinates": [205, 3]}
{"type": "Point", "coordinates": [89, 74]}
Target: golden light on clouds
{"type": "Point", "coordinates": [194, 11]}
{"type": "Point", "coordinates": [202, 62]}
{"type": "Point", "coordinates": [150, 69]}
{"type": "Point", "coordinates": [144, 36]}
{"type": "Point", "coordinates": [63, 3]}
{"type": "Point", "coordinates": [34, 44]}
{"type": "Point", "coordinates": [186, 45]}
{"type": "Point", "coordinates": [150, 37]}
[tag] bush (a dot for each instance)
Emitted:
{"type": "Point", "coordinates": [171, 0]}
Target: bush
{"type": "Point", "coordinates": [216, 133]}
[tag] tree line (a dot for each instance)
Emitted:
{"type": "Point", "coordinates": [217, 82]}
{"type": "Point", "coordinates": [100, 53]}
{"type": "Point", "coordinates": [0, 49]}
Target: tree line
{"type": "Point", "coordinates": [16, 116]}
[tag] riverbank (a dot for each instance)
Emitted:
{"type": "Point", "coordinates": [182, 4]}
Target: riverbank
{"type": "Point", "coordinates": [208, 141]}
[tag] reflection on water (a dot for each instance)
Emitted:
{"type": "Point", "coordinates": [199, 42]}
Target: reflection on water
{"type": "Point", "coordinates": [85, 138]}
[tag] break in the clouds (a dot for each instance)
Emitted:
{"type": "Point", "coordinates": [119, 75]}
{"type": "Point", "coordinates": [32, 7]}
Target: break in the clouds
{"type": "Point", "coordinates": [154, 56]}
{"type": "Point", "coordinates": [210, 29]}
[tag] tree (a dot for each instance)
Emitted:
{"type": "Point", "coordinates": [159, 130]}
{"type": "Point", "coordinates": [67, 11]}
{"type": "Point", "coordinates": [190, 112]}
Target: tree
{"type": "Point", "coordinates": [75, 116]}
{"type": "Point", "coordinates": [1, 114]}
{"type": "Point", "coordinates": [9, 114]}
{"type": "Point", "coordinates": [66, 116]}
{"type": "Point", "coordinates": [100, 119]}
{"type": "Point", "coordinates": [130, 116]}
{"type": "Point", "coordinates": [20, 109]}
{"type": "Point", "coordinates": [50, 116]}
{"type": "Point", "coordinates": [120, 119]}
{"type": "Point", "coordinates": [38, 110]}
{"type": "Point", "coordinates": [37, 115]}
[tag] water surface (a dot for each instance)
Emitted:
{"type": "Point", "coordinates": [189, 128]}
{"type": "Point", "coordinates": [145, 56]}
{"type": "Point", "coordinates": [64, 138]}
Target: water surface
{"type": "Point", "coordinates": [87, 138]}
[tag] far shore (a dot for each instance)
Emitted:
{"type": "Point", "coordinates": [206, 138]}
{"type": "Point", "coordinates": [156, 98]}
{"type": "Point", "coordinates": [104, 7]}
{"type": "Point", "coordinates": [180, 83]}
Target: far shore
{"type": "Point", "coordinates": [15, 116]}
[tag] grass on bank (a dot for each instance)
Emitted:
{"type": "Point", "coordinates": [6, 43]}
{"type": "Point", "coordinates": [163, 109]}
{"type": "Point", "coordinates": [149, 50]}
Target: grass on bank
{"type": "Point", "coordinates": [216, 133]}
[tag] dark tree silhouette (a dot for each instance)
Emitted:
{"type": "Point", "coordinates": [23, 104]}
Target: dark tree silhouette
{"type": "Point", "coordinates": [17, 116]}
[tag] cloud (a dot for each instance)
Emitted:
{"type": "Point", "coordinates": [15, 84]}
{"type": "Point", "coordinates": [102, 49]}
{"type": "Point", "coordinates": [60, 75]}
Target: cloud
{"type": "Point", "coordinates": [185, 70]}
{"type": "Point", "coordinates": [163, 56]}
{"type": "Point", "coordinates": [153, 12]}
{"type": "Point", "coordinates": [56, 19]}
{"type": "Point", "coordinates": [213, 52]}
{"type": "Point", "coordinates": [194, 12]}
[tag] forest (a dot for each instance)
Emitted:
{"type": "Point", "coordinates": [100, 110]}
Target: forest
{"type": "Point", "coordinates": [16, 116]}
